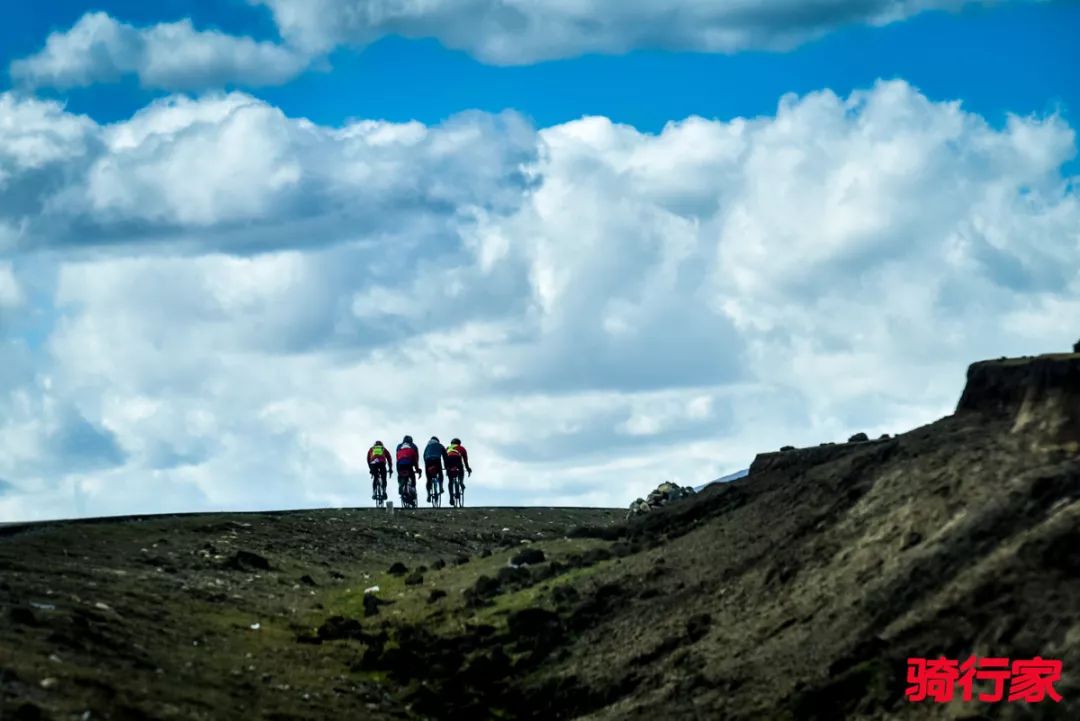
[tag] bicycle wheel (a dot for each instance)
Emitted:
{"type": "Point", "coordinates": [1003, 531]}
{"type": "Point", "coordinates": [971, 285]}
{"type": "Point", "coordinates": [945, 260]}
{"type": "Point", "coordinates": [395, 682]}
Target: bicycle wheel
{"type": "Point", "coordinates": [455, 493]}
{"type": "Point", "coordinates": [437, 491]}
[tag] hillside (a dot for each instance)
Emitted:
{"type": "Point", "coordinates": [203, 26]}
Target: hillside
{"type": "Point", "coordinates": [797, 592]}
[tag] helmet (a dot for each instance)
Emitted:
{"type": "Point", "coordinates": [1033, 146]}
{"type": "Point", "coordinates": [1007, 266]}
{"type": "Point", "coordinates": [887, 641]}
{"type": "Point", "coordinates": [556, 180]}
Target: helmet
{"type": "Point", "coordinates": [407, 439]}
{"type": "Point", "coordinates": [378, 443]}
{"type": "Point", "coordinates": [455, 442]}
{"type": "Point", "coordinates": [435, 438]}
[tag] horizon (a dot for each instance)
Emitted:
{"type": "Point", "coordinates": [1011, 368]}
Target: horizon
{"type": "Point", "coordinates": [241, 241]}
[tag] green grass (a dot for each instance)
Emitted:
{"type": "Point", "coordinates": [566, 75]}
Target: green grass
{"type": "Point", "coordinates": [449, 615]}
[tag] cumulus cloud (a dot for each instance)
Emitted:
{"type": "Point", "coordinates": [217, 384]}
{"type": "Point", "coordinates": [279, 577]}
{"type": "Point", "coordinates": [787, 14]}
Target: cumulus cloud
{"type": "Point", "coordinates": [11, 294]}
{"type": "Point", "coordinates": [173, 56]}
{"type": "Point", "coordinates": [176, 56]}
{"type": "Point", "coordinates": [230, 171]}
{"type": "Point", "coordinates": [509, 32]}
{"type": "Point", "coordinates": [591, 308]}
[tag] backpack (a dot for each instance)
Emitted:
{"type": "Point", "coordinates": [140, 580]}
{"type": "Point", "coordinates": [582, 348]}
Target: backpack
{"type": "Point", "coordinates": [377, 451]}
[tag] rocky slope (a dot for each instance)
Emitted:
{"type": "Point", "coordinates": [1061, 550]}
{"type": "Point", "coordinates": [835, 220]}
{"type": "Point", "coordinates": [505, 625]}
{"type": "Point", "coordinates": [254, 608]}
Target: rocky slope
{"type": "Point", "coordinates": [797, 592]}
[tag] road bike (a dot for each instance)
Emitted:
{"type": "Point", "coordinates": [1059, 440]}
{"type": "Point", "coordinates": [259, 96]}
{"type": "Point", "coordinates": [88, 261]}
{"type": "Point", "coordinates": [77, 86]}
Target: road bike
{"type": "Point", "coordinates": [407, 491]}
{"type": "Point", "coordinates": [457, 488]}
{"type": "Point", "coordinates": [378, 486]}
{"type": "Point", "coordinates": [437, 490]}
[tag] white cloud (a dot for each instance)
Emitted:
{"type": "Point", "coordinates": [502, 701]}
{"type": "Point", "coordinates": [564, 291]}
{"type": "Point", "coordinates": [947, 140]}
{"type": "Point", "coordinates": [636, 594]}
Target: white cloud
{"type": "Point", "coordinates": [173, 56]}
{"type": "Point", "coordinates": [590, 308]}
{"type": "Point", "coordinates": [229, 171]}
{"type": "Point", "coordinates": [11, 293]}
{"type": "Point", "coordinates": [176, 56]}
{"type": "Point", "coordinates": [509, 32]}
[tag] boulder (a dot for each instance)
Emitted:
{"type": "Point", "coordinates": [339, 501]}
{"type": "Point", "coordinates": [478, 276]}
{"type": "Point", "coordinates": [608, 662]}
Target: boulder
{"type": "Point", "coordinates": [858, 438]}
{"type": "Point", "coordinates": [528, 557]}
{"type": "Point", "coordinates": [664, 494]}
{"type": "Point", "coordinates": [338, 628]}
{"type": "Point", "coordinates": [247, 561]}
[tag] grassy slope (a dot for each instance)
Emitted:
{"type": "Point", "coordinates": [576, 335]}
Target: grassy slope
{"type": "Point", "coordinates": [171, 637]}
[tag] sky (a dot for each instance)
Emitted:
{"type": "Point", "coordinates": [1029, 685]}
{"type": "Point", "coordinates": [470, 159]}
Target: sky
{"type": "Point", "coordinates": [606, 243]}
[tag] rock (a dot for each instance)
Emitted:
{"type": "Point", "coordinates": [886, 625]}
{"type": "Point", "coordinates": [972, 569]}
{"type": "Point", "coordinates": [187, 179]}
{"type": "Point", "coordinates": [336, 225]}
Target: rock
{"type": "Point", "coordinates": [664, 494]}
{"type": "Point", "coordinates": [308, 581]}
{"type": "Point", "coordinates": [697, 626]}
{"type": "Point", "coordinates": [436, 594]}
{"type": "Point", "coordinates": [481, 591]}
{"type": "Point", "coordinates": [529, 557]}
{"type": "Point", "coordinates": [535, 623]}
{"type": "Point", "coordinates": [513, 576]}
{"type": "Point", "coordinates": [29, 712]}
{"type": "Point", "coordinates": [371, 605]}
{"type": "Point", "coordinates": [548, 570]}
{"type": "Point", "coordinates": [414, 579]}
{"type": "Point", "coordinates": [22, 616]}
{"type": "Point", "coordinates": [911, 539]}
{"type": "Point", "coordinates": [461, 560]}
{"type": "Point", "coordinates": [858, 438]}
{"type": "Point", "coordinates": [337, 628]}
{"type": "Point", "coordinates": [438, 565]}
{"type": "Point", "coordinates": [785, 449]}
{"type": "Point", "coordinates": [247, 561]}
{"type": "Point", "coordinates": [398, 569]}
{"type": "Point", "coordinates": [884, 437]}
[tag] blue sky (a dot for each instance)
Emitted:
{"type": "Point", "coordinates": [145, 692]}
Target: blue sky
{"type": "Point", "coordinates": [1017, 58]}
{"type": "Point", "coordinates": [242, 239]}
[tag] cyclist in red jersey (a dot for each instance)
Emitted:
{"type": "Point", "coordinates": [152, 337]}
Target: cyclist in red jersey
{"type": "Point", "coordinates": [457, 459]}
{"type": "Point", "coordinates": [408, 467]}
{"type": "Point", "coordinates": [379, 465]}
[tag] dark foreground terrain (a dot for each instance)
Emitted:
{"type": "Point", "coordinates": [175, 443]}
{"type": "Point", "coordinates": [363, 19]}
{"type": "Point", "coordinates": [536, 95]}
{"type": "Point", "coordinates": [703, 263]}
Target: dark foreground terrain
{"type": "Point", "coordinates": [795, 593]}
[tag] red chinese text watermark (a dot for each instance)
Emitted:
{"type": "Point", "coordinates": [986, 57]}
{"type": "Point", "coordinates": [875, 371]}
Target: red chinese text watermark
{"type": "Point", "coordinates": [987, 679]}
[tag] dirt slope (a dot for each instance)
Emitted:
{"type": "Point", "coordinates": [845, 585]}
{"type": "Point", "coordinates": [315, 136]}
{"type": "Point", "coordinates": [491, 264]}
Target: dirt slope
{"type": "Point", "coordinates": [795, 593]}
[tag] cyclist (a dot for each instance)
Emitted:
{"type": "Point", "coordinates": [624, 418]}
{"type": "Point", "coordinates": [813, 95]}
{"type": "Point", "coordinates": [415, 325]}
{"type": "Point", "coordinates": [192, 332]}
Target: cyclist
{"type": "Point", "coordinates": [408, 467]}
{"type": "Point", "coordinates": [434, 455]}
{"type": "Point", "coordinates": [379, 465]}
{"type": "Point", "coordinates": [457, 458]}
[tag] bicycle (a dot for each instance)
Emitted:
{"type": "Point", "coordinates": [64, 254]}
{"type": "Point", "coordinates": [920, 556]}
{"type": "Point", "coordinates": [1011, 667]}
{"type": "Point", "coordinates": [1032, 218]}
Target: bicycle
{"type": "Point", "coordinates": [407, 490]}
{"type": "Point", "coordinates": [437, 490]}
{"type": "Point", "coordinates": [457, 487]}
{"type": "Point", "coordinates": [378, 486]}
{"type": "Point", "coordinates": [434, 473]}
